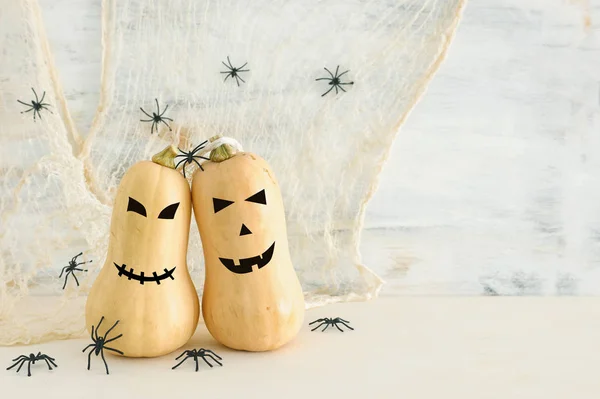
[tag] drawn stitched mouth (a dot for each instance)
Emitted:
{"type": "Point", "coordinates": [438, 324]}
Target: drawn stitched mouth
{"type": "Point", "coordinates": [246, 264]}
{"type": "Point", "coordinates": [143, 278]}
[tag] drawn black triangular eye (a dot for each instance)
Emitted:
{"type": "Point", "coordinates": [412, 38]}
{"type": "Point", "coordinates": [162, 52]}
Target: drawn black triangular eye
{"type": "Point", "coordinates": [259, 198]}
{"type": "Point", "coordinates": [169, 212]}
{"type": "Point", "coordinates": [134, 206]}
{"type": "Point", "coordinates": [220, 204]}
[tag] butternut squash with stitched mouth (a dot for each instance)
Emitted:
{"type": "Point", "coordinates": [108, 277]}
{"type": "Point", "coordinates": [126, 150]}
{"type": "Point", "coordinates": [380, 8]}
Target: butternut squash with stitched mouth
{"type": "Point", "coordinates": [252, 298]}
{"type": "Point", "coordinates": [145, 282]}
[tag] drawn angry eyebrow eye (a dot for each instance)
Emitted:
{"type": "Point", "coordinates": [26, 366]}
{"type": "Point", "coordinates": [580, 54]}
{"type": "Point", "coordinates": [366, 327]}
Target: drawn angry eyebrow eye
{"type": "Point", "coordinates": [134, 206]}
{"type": "Point", "coordinates": [169, 211]}
{"type": "Point", "coordinates": [259, 198]}
{"type": "Point", "coordinates": [220, 204]}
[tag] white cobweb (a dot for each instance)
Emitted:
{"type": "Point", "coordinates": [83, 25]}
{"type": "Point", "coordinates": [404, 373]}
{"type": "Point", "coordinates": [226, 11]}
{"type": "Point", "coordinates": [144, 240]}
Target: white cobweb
{"type": "Point", "coordinates": [56, 189]}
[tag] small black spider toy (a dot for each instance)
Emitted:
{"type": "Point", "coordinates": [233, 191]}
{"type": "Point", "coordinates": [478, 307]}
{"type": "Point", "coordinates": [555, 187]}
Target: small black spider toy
{"type": "Point", "coordinates": [330, 322]}
{"type": "Point", "coordinates": [71, 268]}
{"type": "Point", "coordinates": [31, 359]}
{"type": "Point", "coordinates": [335, 82]}
{"type": "Point", "coordinates": [189, 157]}
{"type": "Point", "coordinates": [234, 72]}
{"type": "Point", "coordinates": [36, 105]}
{"type": "Point", "coordinates": [156, 117]}
{"type": "Point", "coordinates": [99, 342]}
{"type": "Point", "coordinates": [195, 354]}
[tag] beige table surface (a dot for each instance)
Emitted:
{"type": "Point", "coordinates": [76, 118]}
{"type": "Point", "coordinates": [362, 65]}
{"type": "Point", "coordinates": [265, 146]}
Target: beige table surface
{"type": "Point", "coordinates": [403, 347]}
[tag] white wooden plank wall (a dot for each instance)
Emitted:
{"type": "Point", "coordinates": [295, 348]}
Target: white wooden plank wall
{"type": "Point", "coordinates": [493, 185]}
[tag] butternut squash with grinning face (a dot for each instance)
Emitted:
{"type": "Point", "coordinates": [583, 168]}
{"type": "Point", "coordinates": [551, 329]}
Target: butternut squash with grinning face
{"type": "Point", "coordinates": [145, 282]}
{"type": "Point", "coordinates": [252, 298]}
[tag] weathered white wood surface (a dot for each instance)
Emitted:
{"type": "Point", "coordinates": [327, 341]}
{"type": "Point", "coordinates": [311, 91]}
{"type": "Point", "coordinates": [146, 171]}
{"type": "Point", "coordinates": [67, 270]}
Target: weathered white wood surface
{"type": "Point", "coordinates": [492, 184]}
{"type": "Point", "coordinates": [421, 348]}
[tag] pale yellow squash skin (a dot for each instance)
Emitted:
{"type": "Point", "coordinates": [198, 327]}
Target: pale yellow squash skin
{"type": "Point", "coordinates": [264, 309]}
{"type": "Point", "coordinates": [154, 319]}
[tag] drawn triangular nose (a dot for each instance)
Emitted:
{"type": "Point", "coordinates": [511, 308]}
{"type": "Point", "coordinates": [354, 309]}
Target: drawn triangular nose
{"type": "Point", "coordinates": [244, 231]}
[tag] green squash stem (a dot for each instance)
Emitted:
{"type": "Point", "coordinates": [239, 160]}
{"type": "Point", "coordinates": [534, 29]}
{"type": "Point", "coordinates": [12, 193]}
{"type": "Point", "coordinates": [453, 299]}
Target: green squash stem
{"type": "Point", "coordinates": [222, 152]}
{"type": "Point", "coordinates": [166, 157]}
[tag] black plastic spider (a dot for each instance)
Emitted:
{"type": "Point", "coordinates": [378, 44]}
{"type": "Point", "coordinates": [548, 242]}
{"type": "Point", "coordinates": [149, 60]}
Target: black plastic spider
{"type": "Point", "coordinates": [195, 354]}
{"type": "Point", "coordinates": [189, 157]}
{"type": "Point", "coordinates": [157, 117]}
{"type": "Point", "coordinates": [334, 81]}
{"type": "Point", "coordinates": [99, 342]}
{"type": "Point", "coordinates": [234, 72]}
{"type": "Point", "coordinates": [36, 105]}
{"type": "Point", "coordinates": [71, 268]}
{"type": "Point", "coordinates": [330, 322]}
{"type": "Point", "coordinates": [31, 359]}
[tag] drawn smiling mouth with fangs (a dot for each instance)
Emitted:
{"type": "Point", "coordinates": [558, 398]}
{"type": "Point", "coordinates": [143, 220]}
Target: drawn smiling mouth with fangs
{"type": "Point", "coordinates": [246, 264]}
